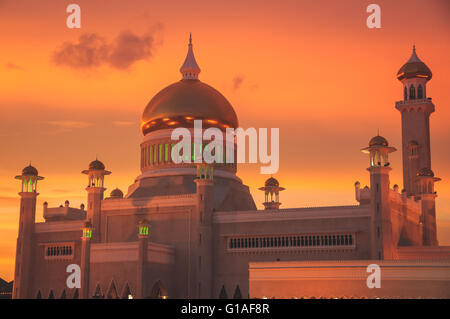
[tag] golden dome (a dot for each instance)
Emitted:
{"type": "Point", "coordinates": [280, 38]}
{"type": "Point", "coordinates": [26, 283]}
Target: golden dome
{"type": "Point", "coordinates": [179, 104]}
{"type": "Point", "coordinates": [187, 100]}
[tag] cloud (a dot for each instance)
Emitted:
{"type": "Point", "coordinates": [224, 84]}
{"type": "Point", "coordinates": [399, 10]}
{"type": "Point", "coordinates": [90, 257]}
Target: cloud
{"type": "Point", "coordinates": [237, 82]}
{"type": "Point", "coordinates": [92, 51]}
{"type": "Point", "coordinates": [13, 66]}
{"type": "Point", "coordinates": [70, 124]}
{"type": "Point", "coordinates": [129, 48]}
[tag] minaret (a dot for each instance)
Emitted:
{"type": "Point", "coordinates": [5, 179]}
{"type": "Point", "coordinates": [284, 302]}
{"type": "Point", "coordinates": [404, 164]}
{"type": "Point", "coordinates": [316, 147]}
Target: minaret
{"type": "Point", "coordinates": [143, 230]}
{"type": "Point", "coordinates": [190, 68]}
{"type": "Point", "coordinates": [25, 244]}
{"type": "Point", "coordinates": [415, 108]}
{"type": "Point", "coordinates": [202, 237]}
{"type": "Point", "coordinates": [271, 191]}
{"type": "Point", "coordinates": [381, 239]}
{"type": "Point", "coordinates": [85, 258]}
{"type": "Point", "coordinates": [424, 184]}
{"type": "Point", "coordinates": [95, 189]}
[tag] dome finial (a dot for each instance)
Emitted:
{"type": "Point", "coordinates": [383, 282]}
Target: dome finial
{"type": "Point", "coordinates": [190, 68]}
{"type": "Point", "coordinates": [414, 57]}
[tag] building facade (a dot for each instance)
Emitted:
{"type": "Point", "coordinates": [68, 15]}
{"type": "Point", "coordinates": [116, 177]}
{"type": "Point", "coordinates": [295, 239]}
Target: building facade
{"type": "Point", "coordinates": [190, 230]}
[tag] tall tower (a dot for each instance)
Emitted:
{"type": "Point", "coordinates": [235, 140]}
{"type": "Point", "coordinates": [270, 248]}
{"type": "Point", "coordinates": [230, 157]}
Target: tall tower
{"type": "Point", "coordinates": [381, 239]}
{"type": "Point", "coordinates": [95, 189]}
{"type": "Point", "coordinates": [424, 189]}
{"type": "Point", "coordinates": [271, 191]}
{"type": "Point", "coordinates": [202, 239]}
{"type": "Point", "coordinates": [24, 249]}
{"type": "Point", "coordinates": [415, 108]}
{"type": "Point", "coordinates": [143, 230]}
{"type": "Point", "coordinates": [85, 258]}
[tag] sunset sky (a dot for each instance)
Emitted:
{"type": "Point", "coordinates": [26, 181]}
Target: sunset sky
{"type": "Point", "coordinates": [311, 68]}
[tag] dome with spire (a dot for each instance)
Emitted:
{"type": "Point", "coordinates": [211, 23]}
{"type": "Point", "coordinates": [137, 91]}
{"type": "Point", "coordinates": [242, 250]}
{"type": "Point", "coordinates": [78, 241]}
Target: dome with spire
{"type": "Point", "coordinates": [272, 182]}
{"type": "Point", "coordinates": [189, 99]}
{"type": "Point", "coordinates": [414, 67]}
{"type": "Point", "coordinates": [30, 171]}
{"type": "Point", "coordinates": [378, 141]}
{"type": "Point", "coordinates": [96, 165]}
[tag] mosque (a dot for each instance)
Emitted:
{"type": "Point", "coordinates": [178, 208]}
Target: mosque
{"type": "Point", "coordinates": [193, 230]}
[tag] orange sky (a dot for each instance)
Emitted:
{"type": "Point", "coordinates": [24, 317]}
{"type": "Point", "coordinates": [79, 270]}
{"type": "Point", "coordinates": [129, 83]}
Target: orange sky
{"type": "Point", "coordinates": [311, 68]}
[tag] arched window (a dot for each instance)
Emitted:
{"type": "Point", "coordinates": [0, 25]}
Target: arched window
{"type": "Point", "coordinates": [420, 92]}
{"type": "Point", "coordinates": [237, 293]}
{"type": "Point", "coordinates": [405, 93]}
{"type": "Point", "coordinates": [412, 92]}
{"type": "Point", "coordinates": [223, 293]}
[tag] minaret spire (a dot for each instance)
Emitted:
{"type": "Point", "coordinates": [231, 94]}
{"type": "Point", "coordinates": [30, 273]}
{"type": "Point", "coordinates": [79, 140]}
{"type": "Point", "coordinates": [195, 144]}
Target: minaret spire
{"type": "Point", "coordinates": [190, 68]}
{"type": "Point", "coordinates": [414, 57]}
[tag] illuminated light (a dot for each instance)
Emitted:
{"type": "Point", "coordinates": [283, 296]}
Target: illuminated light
{"type": "Point", "coordinates": [143, 230]}
{"type": "Point", "coordinates": [188, 118]}
{"type": "Point", "coordinates": [422, 76]}
{"type": "Point", "coordinates": [153, 122]}
{"type": "Point", "coordinates": [166, 119]}
{"type": "Point", "coordinates": [212, 121]}
{"type": "Point", "coordinates": [172, 123]}
{"type": "Point", "coordinates": [225, 126]}
{"type": "Point", "coordinates": [130, 296]}
{"type": "Point", "coordinates": [401, 74]}
{"type": "Point", "coordinates": [87, 232]}
{"type": "Point", "coordinates": [164, 297]}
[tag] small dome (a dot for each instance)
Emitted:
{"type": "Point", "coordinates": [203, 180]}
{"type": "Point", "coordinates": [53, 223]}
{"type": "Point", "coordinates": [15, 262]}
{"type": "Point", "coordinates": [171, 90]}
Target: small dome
{"type": "Point", "coordinates": [96, 165]}
{"type": "Point", "coordinates": [117, 193]}
{"type": "Point", "coordinates": [425, 172]}
{"type": "Point", "coordinates": [30, 170]}
{"type": "Point", "coordinates": [271, 182]}
{"type": "Point", "coordinates": [378, 141]}
{"type": "Point", "coordinates": [414, 68]}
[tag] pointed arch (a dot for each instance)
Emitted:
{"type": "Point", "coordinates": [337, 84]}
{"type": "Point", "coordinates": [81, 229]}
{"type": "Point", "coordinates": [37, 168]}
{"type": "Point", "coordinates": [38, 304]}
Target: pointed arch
{"type": "Point", "coordinates": [76, 294]}
{"type": "Point", "coordinates": [223, 293]}
{"type": "Point", "coordinates": [420, 92]}
{"type": "Point", "coordinates": [51, 295]}
{"type": "Point", "coordinates": [158, 291]}
{"type": "Point", "coordinates": [112, 291]}
{"type": "Point", "coordinates": [126, 292]}
{"type": "Point", "coordinates": [237, 293]}
{"type": "Point", "coordinates": [98, 292]}
{"type": "Point", "coordinates": [63, 294]}
{"type": "Point", "coordinates": [39, 295]}
{"type": "Point", "coordinates": [412, 92]}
